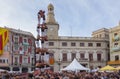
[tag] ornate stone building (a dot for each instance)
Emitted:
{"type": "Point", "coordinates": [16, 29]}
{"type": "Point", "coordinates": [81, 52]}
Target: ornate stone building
{"type": "Point", "coordinates": [91, 52]}
{"type": "Point", "coordinates": [114, 46]}
{"type": "Point", "coordinates": [19, 52]}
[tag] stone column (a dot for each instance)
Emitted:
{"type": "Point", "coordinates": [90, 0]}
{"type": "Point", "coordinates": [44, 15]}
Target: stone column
{"type": "Point", "coordinates": [20, 69]}
{"type": "Point", "coordinates": [11, 68]}
{"type": "Point", "coordinates": [29, 69]}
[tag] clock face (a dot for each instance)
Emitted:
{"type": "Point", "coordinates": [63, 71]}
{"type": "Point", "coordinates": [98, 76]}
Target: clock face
{"type": "Point", "coordinates": [51, 29]}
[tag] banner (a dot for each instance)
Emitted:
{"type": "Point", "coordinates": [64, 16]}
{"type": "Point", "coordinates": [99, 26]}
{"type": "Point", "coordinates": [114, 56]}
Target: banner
{"type": "Point", "coordinates": [51, 59]}
{"type": "Point", "coordinates": [1, 45]}
{"type": "Point", "coordinates": [3, 39]}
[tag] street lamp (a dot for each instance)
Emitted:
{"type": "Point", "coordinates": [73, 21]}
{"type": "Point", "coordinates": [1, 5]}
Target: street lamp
{"type": "Point", "coordinates": [59, 63]}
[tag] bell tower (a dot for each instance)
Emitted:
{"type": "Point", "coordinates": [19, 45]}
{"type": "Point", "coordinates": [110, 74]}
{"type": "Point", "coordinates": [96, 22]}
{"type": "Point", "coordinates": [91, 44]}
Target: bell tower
{"type": "Point", "coordinates": [51, 23]}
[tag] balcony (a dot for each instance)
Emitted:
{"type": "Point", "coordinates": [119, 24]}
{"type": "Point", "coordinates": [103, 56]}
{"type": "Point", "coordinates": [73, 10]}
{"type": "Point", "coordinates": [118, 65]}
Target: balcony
{"type": "Point", "coordinates": [83, 59]}
{"type": "Point", "coordinates": [25, 43]}
{"type": "Point", "coordinates": [101, 60]}
{"type": "Point", "coordinates": [26, 64]}
{"type": "Point", "coordinates": [82, 38]}
{"type": "Point", "coordinates": [115, 49]}
{"type": "Point", "coordinates": [70, 60]}
{"type": "Point", "coordinates": [16, 64]}
{"type": "Point", "coordinates": [16, 42]}
{"type": "Point", "coordinates": [61, 61]}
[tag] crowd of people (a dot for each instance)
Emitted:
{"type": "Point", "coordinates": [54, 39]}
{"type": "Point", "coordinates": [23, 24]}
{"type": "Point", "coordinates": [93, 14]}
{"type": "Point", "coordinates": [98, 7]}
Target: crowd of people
{"type": "Point", "coordinates": [48, 74]}
{"type": "Point", "coordinates": [7, 75]}
{"type": "Point", "coordinates": [78, 75]}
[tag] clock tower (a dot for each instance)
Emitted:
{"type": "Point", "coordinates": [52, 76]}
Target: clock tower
{"type": "Point", "coordinates": [51, 23]}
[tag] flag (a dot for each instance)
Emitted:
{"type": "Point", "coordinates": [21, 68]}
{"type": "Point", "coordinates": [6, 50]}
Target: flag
{"type": "Point", "coordinates": [1, 45]}
{"type": "Point", "coordinates": [51, 59]}
{"type": "Point", "coordinates": [3, 39]}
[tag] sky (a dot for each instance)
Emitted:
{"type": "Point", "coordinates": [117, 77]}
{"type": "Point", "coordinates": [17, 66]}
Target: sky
{"type": "Point", "coordinates": [75, 17]}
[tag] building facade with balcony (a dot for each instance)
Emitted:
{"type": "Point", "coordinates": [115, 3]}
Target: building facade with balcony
{"type": "Point", "coordinates": [91, 52]}
{"type": "Point", "coordinates": [114, 46]}
{"type": "Point", "coordinates": [19, 52]}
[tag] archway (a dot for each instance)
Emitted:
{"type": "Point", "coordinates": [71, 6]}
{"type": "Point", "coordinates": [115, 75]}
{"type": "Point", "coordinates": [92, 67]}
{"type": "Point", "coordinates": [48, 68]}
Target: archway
{"type": "Point", "coordinates": [16, 69]}
{"type": "Point", "coordinates": [24, 69]}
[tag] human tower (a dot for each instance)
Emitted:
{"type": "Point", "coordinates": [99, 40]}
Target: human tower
{"type": "Point", "coordinates": [41, 42]}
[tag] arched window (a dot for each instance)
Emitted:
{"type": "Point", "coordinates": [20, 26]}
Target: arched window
{"type": "Point", "coordinates": [82, 54]}
{"type": "Point", "coordinates": [117, 57]}
{"type": "Point", "coordinates": [91, 57]}
{"type": "Point", "coordinates": [64, 55]}
{"type": "Point", "coordinates": [98, 57]}
{"type": "Point", "coordinates": [73, 55]}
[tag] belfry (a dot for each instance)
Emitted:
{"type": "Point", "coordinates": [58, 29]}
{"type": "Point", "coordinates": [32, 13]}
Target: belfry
{"type": "Point", "coordinates": [50, 16]}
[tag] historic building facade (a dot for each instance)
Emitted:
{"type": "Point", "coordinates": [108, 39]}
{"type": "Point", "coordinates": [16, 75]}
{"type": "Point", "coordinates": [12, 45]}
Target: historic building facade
{"type": "Point", "coordinates": [19, 52]}
{"type": "Point", "coordinates": [91, 52]}
{"type": "Point", "coordinates": [114, 46]}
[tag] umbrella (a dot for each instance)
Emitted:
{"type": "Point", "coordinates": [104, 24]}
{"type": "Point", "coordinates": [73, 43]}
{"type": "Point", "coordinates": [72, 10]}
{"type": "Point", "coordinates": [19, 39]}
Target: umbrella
{"type": "Point", "coordinates": [118, 68]}
{"type": "Point", "coordinates": [2, 70]}
{"type": "Point", "coordinates": [108, 68]}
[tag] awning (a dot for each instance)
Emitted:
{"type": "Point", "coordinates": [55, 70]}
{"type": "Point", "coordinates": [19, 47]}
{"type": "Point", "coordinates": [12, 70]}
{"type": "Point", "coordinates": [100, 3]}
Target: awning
{"type": "Point", "coordinates": [108, 68]}
{"type": "Point", "coordinates": [114, 62]}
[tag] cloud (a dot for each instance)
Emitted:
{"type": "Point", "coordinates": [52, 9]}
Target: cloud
{"type": "Point", "coordinates": [82, 16]}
